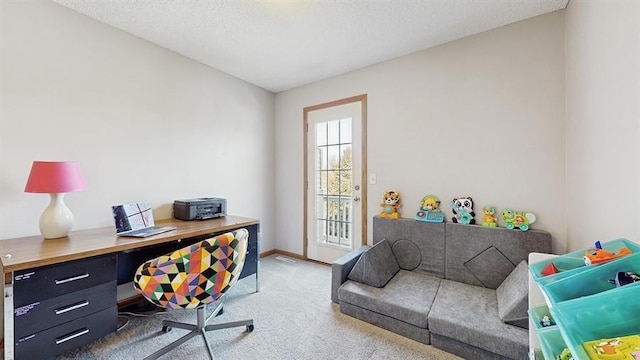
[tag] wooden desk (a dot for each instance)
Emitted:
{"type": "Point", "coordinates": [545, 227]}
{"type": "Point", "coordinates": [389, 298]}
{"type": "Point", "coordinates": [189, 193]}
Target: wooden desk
{"type": "Point", "coordinates": [25, 253]}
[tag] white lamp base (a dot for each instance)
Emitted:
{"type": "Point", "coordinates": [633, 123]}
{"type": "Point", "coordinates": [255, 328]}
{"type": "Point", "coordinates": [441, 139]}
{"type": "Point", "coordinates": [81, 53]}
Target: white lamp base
{"type": "Point", "coordinates": [57, 220]}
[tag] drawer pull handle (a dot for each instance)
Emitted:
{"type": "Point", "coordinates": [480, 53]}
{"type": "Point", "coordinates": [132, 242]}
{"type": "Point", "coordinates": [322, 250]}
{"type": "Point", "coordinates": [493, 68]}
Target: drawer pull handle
{"type": "Point", "coordinates": [71, 336]}
{"type": "Point", "coordinates": [72, 307]}
{"type": "Point", "coordinates": [74, 278]}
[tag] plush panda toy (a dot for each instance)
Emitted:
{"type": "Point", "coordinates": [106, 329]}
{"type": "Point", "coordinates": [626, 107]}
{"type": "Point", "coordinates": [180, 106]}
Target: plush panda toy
{"type": "Point", "coordinates": [463, 210]}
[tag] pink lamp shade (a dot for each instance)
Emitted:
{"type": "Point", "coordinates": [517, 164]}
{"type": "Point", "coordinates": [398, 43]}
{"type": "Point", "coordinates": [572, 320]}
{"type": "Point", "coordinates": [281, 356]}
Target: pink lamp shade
{"type": "Point", "coordinates": [55, 177]}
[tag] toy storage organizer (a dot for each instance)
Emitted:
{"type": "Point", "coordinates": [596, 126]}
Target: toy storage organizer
{"type": "Point", "coordinates": [584, 304]}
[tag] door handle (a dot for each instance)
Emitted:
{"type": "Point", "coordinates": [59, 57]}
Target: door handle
{"type": "Point", "coordinates": [356, 199]}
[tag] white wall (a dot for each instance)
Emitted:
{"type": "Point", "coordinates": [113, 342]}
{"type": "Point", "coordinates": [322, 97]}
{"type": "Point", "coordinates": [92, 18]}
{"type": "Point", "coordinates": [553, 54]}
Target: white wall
{"type": "Point", "coordinates": [603, 115]}
{"type": "Point", "coordinates": [144, 122]}
{"type": "Point", "coordinates": [482, 116]}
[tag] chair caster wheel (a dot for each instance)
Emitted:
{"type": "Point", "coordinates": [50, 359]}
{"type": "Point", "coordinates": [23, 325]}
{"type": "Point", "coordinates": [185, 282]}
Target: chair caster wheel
{"type": "Point", "coordinates": [166, 329]}
{"type": "Point", "coordinates": [249, 328]}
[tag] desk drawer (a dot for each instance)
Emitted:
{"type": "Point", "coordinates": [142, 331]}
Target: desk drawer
{"type": "Point", "coordinates": [54, 280]}
{"type": "Point", "coordinates": [67, 336]}
{"type": "Point", "coordinates": [41, 315]}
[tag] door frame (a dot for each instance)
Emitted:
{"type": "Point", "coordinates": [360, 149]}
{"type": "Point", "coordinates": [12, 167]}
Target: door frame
{"type": "Point", "coordinates": [363, 175]}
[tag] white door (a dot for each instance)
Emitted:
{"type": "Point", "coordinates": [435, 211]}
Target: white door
{"type": "Point", "coordinates": [335, 198]}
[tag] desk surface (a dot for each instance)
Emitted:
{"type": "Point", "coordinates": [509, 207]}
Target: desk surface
{"type": "Point", "coordinates": [33, 251]}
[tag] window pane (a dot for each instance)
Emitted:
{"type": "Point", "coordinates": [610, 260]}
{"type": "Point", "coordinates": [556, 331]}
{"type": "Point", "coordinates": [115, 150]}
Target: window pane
{"type": "Point", "coordinates": [345, 131]}
{"type": "Point", "coordinates": [333, 132]}
{"type": "Point", "coordinates": [345, 218]}
{"type": "Point", "coordinates": [333, 182]}
{"type": "Point", "coordinates": [334, 234]}
{"type": "Point", "coordinates": [321, 161]}
{"type": "Point", "coordinates": [332, 208]}
{"type": "Point", "coordinates": [346, 184]}
{"type": "Point", "coordinates": [345, 156]}
{"type": "Point", "coordinates": [321, 134]}
{"type": "Point", "coordinates": [333, 157]}
{"type": "Point", "coordinates": [321, 183]}
{"type": "Point", "coordinates": [321, 207]}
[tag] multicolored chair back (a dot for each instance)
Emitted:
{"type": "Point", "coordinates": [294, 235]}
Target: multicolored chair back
{"type": "Point", "coordinates": [194, 275]}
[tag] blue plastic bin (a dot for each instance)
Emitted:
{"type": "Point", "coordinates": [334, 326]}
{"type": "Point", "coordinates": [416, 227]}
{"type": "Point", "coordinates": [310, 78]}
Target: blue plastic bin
{"type": "Point", "coordinates": [572, 263]}
{"type": "Point", "coordinates": [592, 280]}
{"type": "Point", "coordinates": [605, 315]}
{"type": "Point", "coordinates": [551, 342]}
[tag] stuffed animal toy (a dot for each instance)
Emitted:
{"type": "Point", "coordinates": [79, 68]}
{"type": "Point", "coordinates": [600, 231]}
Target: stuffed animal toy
{"type": "Point", "coordinates": [490, 220]}
{"type": "Point", "coordinates": [390, 205]}
{"type": "Point", "coordinates": [430, 203]}
{"type": "Point", "coordinates": [463, 210]}
{"type": "Point", "coordinates": [430, 210]}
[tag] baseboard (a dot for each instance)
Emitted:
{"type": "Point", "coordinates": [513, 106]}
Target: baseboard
{"type": "Point", "coordinates": [291, 255]}
{"type": "Point", "coordinates": [282, 252]}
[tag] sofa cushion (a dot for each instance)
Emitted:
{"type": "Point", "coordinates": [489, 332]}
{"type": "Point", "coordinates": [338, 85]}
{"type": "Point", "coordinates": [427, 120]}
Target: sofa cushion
{"type": "Point", "coordinates": [376, 266]}
{"type": "Point", "coordinates": [513, 297]}
{"type": "Point", "coordinates": [469, 314]}
{"type": "Point", "coordinates": [408, 297]}
{"type": "Point", "coordinates": [490, 267]}
{"type": "Point", "coordinates": [407, 254]}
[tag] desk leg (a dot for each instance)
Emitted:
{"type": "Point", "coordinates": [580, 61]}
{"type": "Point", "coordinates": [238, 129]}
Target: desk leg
{"type": "Point", "coordinates": [257, 272]}
{"type": "Point", "coordinates": [8, 317]}
{"type": "Point", "coordinates": [258, 260]}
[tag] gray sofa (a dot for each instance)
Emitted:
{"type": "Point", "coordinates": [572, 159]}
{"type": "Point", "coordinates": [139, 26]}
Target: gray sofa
{"type": "Point", "coordinates": [461, 288]}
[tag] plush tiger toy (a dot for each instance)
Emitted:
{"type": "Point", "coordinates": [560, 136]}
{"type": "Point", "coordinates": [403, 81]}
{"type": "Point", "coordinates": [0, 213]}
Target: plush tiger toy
{"type": "Point", "coordinates": [390, 205]}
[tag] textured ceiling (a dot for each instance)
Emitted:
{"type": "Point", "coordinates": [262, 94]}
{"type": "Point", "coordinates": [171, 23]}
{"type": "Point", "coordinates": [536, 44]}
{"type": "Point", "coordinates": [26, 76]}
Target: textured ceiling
{"type": "Point", "coordinates": [282, 44]}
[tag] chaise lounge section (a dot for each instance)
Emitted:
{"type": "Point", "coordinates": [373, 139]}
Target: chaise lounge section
{"type": "Point", "coordinates": [461, 288]}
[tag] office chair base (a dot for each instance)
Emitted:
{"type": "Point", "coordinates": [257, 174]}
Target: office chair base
{"type": "Point", "coordinates": [198, 329]}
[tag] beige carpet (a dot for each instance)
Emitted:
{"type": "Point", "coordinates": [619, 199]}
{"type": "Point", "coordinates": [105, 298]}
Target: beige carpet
{"type": "Point", "coordinates": [294, 319]}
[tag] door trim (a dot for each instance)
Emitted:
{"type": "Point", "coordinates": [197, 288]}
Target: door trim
{"type": "Point", "coordinates": [363, 176]}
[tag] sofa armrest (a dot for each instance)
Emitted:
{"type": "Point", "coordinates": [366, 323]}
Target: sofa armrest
{"type": "Point", "coordinates": [340, 270]}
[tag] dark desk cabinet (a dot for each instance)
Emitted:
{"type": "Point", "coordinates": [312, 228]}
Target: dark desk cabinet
{"type": "Point", "coordinates": [60, 307]}
{"type": "Point", "coordinates": [128, 262]}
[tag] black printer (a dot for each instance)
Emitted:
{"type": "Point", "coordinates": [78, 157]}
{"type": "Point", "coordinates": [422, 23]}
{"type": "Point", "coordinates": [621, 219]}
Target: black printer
{"type": "Point", "coordinates": [199, 209]}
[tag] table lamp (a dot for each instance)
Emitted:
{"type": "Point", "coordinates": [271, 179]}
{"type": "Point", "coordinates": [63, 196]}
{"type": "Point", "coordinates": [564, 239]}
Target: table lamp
{"type": "Point", "coordinates": [55, 178]}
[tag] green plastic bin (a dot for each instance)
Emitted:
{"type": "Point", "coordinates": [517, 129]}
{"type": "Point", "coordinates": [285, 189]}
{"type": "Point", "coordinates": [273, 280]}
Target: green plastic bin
{"type": "Point", "coordinates": [551, 342]}
{"type": "Point", "coordinates": [537, 313]}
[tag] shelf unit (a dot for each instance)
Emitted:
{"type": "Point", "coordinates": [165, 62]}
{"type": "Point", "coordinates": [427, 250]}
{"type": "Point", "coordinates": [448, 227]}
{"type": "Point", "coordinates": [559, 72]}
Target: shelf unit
{"type": "Point", "coordinates": [536, 299]}
{"type": "Point", "coordinates": [583, 301]}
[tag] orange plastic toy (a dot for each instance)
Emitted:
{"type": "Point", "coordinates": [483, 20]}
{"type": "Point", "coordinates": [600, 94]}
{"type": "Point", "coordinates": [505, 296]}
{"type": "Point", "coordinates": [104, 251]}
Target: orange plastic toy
{"type": "Point", "coordinates": [550, 270]}
{"type": "Point", "coordinates": [599, 256]}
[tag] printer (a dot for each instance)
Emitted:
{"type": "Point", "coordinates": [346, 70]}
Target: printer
{"type": "Point", "coordinates": [199, 208]}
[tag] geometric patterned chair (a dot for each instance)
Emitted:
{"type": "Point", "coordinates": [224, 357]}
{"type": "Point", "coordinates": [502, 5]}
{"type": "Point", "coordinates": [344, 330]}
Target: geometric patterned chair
{"type": "Point", "coordinates": [192, 277]}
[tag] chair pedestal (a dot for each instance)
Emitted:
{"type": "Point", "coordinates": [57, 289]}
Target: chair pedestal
{"type": "Point", "coordinates": [198, 329]}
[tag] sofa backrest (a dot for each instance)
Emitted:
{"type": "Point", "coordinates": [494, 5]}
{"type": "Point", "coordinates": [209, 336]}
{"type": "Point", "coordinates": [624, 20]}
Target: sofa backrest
{"type": "Point", "coordinates": [471, 254]}
{"type": "Point", "coordinates": [409, 238]}
{"type": "Point", "coordinates": [485, 256]}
